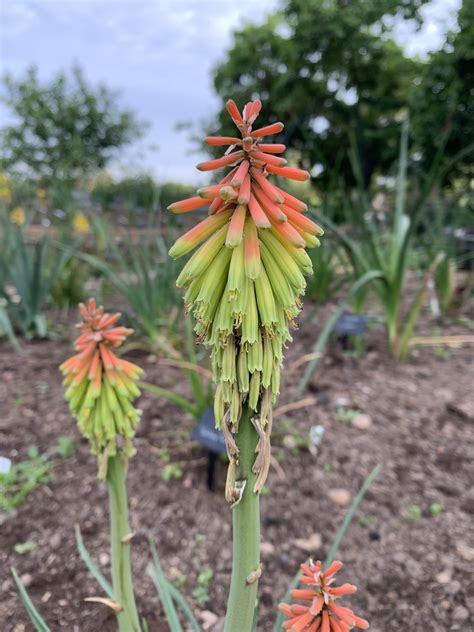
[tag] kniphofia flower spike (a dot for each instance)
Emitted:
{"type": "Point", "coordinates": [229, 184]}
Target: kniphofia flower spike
{"type": "Point", "coordinates": [102, 386]}
{"type": "Point", "coordinates": [320, 612]}
{"type": "Point", "coordinates": [245, 280]}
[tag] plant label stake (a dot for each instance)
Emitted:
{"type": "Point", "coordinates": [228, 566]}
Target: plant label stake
{"type": "Point", "coordinates": [205, 433]}
{"type": "Point", "coordinates": [350, 325]}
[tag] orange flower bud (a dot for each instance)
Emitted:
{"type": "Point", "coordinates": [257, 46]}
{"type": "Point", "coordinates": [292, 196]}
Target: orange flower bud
{"type": "Point", "coordinates": [189, 204]}
{"type": "Point", "coordinates": [269, 130]}
{"type": "Point", "coordinates": [240, 174]}
{"type": "Point", "coordinates": [229, 159]}
{"type": "Point", "coordinates": [215, 141]}
{"type": "Point", "coordinates": [268, 159]}
{"type": "Point", "coordinates": [272, 148]}
{"type": "Point", "coordinates": [289, 172]}
{"type": "Point", "coordinates": [258, 215]}
{"type": "Point", "coordinates": [244, 191]}
{"type": "Point", "coordinates": [235, 115]}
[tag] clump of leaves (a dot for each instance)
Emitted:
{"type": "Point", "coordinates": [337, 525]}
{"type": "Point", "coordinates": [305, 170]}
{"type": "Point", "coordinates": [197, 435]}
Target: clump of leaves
{"type": "Point", "coordinates": [201, 592]}
{"type": "Point", "coordinates": [23, 478]}
{"type": "Point", "coordinates": [171, 470]}
{"type": "Point", "coordinates": [31, 270]}
{"type": "Point", "coordinates": [414, 513]}
{"type": "Point", "coordinates": [21, 548]}
{"type": "Point", "coordinates": [346, 415]}
{"type": "Point", "coordinates": [436, 509]}
{"type": "Point", "coordinates": [65, 447]}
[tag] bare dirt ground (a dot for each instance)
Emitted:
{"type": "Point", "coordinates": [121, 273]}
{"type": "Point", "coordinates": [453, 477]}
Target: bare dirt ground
{"type": "Point", "coordinates": [412, 563]}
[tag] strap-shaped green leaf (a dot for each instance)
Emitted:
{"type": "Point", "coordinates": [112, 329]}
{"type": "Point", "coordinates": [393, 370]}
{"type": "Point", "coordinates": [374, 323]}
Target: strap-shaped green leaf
{"type": "Point", "coordinates": [183, 604]}
{"type": "Point", "coordinates": [179, 400]}
{"type": "Point", "coordinates": [93, 569]}
{"type": "Point", "coordinates": [155, 571]}
{"type": "Point", "coordinates": [35, 617]}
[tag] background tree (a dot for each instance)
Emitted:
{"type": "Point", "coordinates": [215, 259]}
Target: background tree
{"type": "Point", "coordinates": [62, 129]}
{"type": "Point", "coordinates": [331, 70]}
{"type": "Point", "coordinates": [442, 105]}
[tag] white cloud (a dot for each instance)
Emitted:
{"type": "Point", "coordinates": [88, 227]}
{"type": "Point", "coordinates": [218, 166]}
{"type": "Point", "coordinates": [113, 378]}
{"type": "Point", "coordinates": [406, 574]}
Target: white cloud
{"type": "Point", "coordinates": [439, 17]}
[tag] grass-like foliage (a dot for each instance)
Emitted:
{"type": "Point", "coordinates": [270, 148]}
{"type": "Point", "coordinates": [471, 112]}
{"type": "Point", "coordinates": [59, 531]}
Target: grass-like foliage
{"type": "Point", "coordinates": [388, 254]}
{"type": "Point", "coordinates": [28, 272]}
{"type": "Point", "coordinates": [145, 278]}
{"type": "Point", "coordinates": [23, 478]}
{"type": "Point", "coordinates": [198, 378]}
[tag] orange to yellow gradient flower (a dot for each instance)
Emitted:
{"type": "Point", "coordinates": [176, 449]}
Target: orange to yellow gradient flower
{"type": "Point", "coordinates": [102, 386]}
{"type": "Point", "coordinates": [319, 611]}
{"type": "Point", "coordinates": [246, 277]}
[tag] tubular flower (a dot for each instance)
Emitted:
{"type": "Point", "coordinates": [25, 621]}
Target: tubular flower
{"type": "Point", "coordinates": [101, 386]}
{"type": "Point", "coordinates": [321, 613]}
{"type": "Point", "coordinates": [245, 280]}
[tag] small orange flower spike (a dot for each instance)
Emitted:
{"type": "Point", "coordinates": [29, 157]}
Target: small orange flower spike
{"type": "Point", "coordinates": [321, 614]}
{"type": "Point", "coordinates": [102, 386]}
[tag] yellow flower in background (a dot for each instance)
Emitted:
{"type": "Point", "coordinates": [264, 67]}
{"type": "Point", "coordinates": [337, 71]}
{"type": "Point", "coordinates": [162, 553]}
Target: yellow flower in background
{"type": "Point", "coordinates": [5, 195]}
{"type": "Point", "coordinates": [5, 190]}
{"type": "Point", "coordinates": [41, 194]}
{"type": "Point", "coordinates": [81, 223]}
{"type": "Point", "coordinates": [17, 216]}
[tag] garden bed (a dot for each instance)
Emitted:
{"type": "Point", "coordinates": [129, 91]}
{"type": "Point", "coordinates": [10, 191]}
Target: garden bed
{"type": "Point", "coordinates": [409, 549]}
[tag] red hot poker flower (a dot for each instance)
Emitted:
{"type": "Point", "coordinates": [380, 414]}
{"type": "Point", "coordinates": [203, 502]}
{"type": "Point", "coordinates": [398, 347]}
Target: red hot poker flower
{"type": "Point", "coordinates": [320, 613]}
{"type": "Point", "coordinates": [102, 386]}
{"type": "Point", "coordinates": [247, 275]}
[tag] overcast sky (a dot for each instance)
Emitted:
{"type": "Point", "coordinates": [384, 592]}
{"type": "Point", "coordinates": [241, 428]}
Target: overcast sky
{"type": "Point", "coordinates": [159, 53]}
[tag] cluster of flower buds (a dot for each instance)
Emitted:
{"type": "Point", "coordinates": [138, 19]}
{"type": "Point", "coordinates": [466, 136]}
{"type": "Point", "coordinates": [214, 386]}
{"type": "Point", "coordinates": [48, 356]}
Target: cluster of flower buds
{"type": "Point", "coordinates": [245, 281]}
{"type": "Point", "coordinates": [320, 613]}
{"type": "Point", "coordinates": [102, 386]}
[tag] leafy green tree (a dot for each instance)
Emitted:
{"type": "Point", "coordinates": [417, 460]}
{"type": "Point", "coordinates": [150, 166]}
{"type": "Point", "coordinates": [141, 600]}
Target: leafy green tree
{"type": "Point", "coordinates": [64, 128]}
{"type": "Point", "coordinates": [331, 70]}
{"type": "Point", "coordinates": [442, 105]}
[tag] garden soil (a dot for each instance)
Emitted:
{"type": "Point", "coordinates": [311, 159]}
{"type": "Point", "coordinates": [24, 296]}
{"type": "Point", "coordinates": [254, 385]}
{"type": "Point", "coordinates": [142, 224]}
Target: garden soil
{"type": "Point", "coordinates": [410, 548]}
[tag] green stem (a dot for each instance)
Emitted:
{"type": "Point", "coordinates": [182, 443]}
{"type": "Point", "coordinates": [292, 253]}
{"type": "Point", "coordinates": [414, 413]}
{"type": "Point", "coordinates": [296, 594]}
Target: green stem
{"type": "Point", "coordinates": [246, 536]}
{"type": "Point", "coordinates": [392, 315]}
{"type": "Point", "coordinates": [119, 528]}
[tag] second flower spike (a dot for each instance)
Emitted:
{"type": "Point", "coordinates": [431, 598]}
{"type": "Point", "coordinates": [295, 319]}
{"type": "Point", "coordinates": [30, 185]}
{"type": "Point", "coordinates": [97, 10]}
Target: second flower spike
{"type": "Point", "coordinates": [101, 387]}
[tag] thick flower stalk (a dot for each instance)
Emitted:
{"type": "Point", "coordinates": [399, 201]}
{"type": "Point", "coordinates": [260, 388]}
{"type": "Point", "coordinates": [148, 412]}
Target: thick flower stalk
{"type": "Point", "coordinates": [320, 613]}
{"type": "Point", "coordinates": [101, 389]}
{"type": "Point", "coordinates": [102, 386]}
{"type": "Point", "coordinates": [245, 281]}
